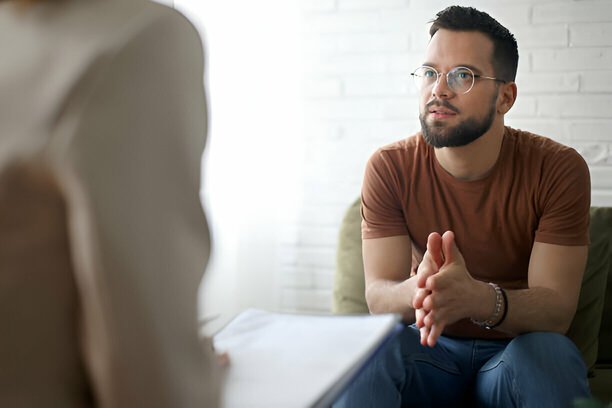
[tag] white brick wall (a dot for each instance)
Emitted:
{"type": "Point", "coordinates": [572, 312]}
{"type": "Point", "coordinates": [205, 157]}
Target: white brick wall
{"type": "Point", "coordinates": [359, 95]}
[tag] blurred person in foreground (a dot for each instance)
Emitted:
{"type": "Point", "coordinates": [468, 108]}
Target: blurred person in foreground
{"type": "Point", "coordinates": [103, 241]}
{"type": "Point", "coordinates": [477, 233]}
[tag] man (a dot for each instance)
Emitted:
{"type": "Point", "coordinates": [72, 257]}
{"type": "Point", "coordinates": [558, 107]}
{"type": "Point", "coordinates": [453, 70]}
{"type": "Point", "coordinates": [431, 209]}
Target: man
{"type": "Point", "coordinates": [492, 297]}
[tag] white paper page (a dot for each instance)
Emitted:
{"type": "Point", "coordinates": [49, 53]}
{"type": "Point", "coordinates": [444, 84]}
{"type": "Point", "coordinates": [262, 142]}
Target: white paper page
{"type": "Point", "coordinates": [287, 360]}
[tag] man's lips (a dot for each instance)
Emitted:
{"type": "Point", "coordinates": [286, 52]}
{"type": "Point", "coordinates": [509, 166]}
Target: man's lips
{"type": "Point", "coordinates": [441, 109]}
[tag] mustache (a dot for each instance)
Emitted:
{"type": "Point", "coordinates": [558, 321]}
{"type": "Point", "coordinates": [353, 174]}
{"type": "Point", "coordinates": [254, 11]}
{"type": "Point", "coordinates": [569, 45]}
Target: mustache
{"type": "Point", "coordinates": [442, 103]}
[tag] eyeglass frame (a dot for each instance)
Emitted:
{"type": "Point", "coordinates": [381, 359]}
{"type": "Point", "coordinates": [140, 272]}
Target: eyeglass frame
{"type": "Point", "coordinates": [439, 74]}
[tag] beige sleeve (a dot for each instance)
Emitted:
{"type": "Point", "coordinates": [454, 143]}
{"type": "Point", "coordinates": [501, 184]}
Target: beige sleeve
{"type": "Point", "coordinates": [140, 243]}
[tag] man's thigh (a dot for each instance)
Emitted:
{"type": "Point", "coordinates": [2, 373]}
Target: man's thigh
{"type": "Point", "coordinates": [535, 369]}
{"type": "Point", "coordinates": [405, 373]}
{"type": "Point", "coordinates": [436, 376]}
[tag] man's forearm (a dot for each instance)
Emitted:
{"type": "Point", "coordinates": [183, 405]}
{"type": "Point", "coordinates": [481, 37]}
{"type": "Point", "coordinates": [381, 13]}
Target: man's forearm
{"type": "Point", "coordinates": [536, 309]}
{"type": "Point", "coordinates": [385, 296]}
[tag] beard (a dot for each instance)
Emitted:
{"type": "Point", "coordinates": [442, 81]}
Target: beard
{"type": "Point", "coordinates": [438, 135]}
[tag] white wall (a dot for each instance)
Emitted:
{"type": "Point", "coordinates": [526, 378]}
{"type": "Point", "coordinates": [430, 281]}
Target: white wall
{"type": "Point", "coordinates": [359, 54]}
{"type": "Point", "coordinates": [276, 188]}
{"type": "Point", "coordinates": [252, 166]}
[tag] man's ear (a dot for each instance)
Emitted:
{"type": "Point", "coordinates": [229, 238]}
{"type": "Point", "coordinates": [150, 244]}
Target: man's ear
{"type": "Point", "coordinates": [506, 98]}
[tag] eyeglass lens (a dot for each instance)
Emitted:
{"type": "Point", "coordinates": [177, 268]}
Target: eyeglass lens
{"type": "Point", "coordinates": [460, 79]}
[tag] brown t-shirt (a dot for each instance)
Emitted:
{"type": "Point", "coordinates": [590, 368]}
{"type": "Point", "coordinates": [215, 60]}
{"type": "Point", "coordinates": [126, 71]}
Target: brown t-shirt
{"type": "Point", "coordinates": [539, 190]}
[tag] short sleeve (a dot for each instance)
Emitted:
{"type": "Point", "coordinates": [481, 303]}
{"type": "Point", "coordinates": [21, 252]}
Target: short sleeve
{"type": "Point", "coordinates": [381, 199]}
{"type": "Point", "coordinates": [565, 201]}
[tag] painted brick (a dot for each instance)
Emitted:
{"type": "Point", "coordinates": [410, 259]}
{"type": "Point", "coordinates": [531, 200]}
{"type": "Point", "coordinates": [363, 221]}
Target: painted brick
{"type": "Point", "coordinates": [324, 215]}
{"type": "Point", "coordinates": [601, 177]}
{"type": "Point", "coordinates": [405, 20]}
{"type": "Point", "coordinates": [369, 4]}
{"type": "Point", "coordinates": [591, 130]}
{"type": "Point", "coordinates": [525, 106]}
{"type": "Point", "coordinates": [316, 257]}
{"type": "Point", "coordinates": [591, 35]}
{"type": "Point", "coordinates": [307, 278]}
{"type": "Point", "coordinates": [594, 153]}
{"type": "Point", "coordinates": [324, 279]}
{"type": "Point", "coordinates": [404, 63]}
{"type": "Point", "coordinates": [556, 130]}
{"type": "Point", "coordinates": [295, 278]}
{"type": "Point", "coordinates": [596, 81]}
{"type": "Point", "coordinates": [400, 108]}
{"type": "Point", "coordinates": [317, 236]}
{"type": "Point", "coordinates": [342, 23]}
{"type": "Point", "coordinates": [538, 83]}
{"type": "Point", "coordinates": [320, 193]}
{"type": "Point", "coordinates": [306, 300]}
{"type": "Point", "coordinates": [380, 132]}
{"type": "Point", "coordinates": [587, 59]}
{"type": "Point", "coordinates": [524, 63]}
{"type": "Point", "coordinates": [374, 43]}
{"type": "Point", "coordinates": [575, 106]}
{"type": "Point", "coordinates": [348, 64]}
{"type": "Point", "coordinates": [419, 36]}
{"type": "Point", "coordinates": [378, 85]}
{"type": "Point", "coordinates": [601, 198]}
{"type": "Point", "coordinates": [579, 11]}
{"type": "Point", "coordinates": [541, 36]}
{"type": "Point", "coordinates": [364, 108]}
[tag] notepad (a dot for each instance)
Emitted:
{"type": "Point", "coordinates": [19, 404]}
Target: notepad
{"type": "Point", "coordinates": [295, 360]}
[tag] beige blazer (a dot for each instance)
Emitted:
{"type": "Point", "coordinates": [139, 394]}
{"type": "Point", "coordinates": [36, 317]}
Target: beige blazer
{"type": "Point", "coordinates": [103, 241]}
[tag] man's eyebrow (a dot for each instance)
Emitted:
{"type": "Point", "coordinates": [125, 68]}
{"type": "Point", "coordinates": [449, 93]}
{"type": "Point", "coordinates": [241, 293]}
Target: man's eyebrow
{"type": "Point", "coordinates": [472, 67]}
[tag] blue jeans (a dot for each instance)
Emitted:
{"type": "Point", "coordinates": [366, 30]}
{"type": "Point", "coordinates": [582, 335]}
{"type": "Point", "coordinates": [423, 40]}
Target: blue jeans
{"type": "Point", "coordinates": [532, 370]}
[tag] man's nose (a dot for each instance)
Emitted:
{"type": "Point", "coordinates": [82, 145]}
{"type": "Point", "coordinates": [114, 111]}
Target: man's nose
{"type": "Point", "coordinates": [440, 88]}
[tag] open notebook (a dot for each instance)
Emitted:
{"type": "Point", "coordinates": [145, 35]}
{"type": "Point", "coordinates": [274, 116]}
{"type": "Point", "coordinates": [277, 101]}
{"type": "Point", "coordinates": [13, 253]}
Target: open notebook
{"type": "Point", "coordinates": [294, 360]}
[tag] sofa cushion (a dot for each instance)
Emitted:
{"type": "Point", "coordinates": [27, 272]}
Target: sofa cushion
{"type": "Point", "coordinates": [585, 327]}
{"type": "Point", "coordinates": [349, 288]}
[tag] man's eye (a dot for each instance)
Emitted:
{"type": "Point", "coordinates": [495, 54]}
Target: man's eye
{"type": "Point", "coordinates": [429, 73]}
{"type": "Point", "coordinates": [463, 75]}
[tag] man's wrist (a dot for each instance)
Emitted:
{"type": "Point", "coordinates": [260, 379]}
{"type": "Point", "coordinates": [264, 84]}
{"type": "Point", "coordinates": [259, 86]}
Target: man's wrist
{"type": "Point", "coordinates": [498, 313]}
{"type": "Point", "coordinates": [482, 301]}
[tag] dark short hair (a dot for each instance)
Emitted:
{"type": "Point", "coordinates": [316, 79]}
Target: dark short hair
{"type": "Point", "coordinates": [505, 49]}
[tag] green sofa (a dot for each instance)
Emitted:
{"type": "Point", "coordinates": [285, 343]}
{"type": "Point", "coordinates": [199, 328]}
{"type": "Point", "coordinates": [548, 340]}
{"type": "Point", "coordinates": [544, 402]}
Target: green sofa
{"type": "Point", "coordinates": [591, 329]}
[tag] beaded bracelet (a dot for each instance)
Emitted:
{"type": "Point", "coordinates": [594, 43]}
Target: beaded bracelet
{"type": "Point", "coordinates": [500, 321]}
{"type": "Point", "coordinates": [500, 303]}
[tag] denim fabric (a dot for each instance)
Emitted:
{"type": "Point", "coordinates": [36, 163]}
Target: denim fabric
{"type": "Point", "coordinates": [532, 370]}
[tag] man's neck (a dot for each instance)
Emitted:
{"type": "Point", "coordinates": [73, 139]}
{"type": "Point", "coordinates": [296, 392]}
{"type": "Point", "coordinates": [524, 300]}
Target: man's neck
{"type": "Point", "coordinates": [475, 160]}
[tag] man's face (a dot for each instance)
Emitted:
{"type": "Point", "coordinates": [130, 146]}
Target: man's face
{"type": "Point", "coordinates": [448, 118]}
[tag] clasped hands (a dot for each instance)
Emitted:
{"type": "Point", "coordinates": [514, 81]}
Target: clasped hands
{"type": "Point", "coordinates": [445, 289]}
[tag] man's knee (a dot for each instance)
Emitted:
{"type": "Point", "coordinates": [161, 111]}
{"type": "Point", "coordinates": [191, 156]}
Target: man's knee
{"type": "Point", "coordinates": [544, 350]}
{"type": "Point", "coordinates": [536, 369]}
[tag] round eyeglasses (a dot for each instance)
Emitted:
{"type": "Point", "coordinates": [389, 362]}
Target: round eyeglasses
{"type": "Point", "coordinates": [459, 79]}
